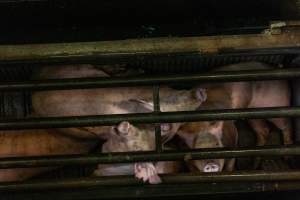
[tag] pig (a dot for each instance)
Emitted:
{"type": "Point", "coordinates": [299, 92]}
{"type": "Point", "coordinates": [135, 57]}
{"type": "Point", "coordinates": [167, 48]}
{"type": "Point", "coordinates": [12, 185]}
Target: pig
{"type": "Point", "coordinates": [127, 138]}
{"type": "Point", "coordinates": [255, 94]}
{"type": "Point", "coordinates": [213, 134]}
{"type": "Point", "coordinates": [37, 143]}
{"type": "Point", "coordinates": [101, 101]}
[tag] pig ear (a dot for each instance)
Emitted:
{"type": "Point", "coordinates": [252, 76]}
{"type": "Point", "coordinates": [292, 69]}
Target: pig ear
{"type": "Point", "coordinates": [201, 94]}
{"type": "Point", "coordinates": [217, 128]}
{"type": "Point", "coordinates": [123, 127]}
{"type": "Point", "coordinates": [147, 105]}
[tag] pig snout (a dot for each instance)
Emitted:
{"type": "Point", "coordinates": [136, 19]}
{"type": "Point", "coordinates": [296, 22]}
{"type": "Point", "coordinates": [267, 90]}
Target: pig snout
{"type": "Point", "coordinates": [211, 167]}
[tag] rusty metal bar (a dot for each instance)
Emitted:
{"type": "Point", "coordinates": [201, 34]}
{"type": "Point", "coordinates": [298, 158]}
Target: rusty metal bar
{"type": "Point", "coordinates": [156, 102]}
{"type": "Point", "coordinates": [43, 161]}
{"type": "Point", "coordinates": [195, 178]}
{"type": "Point", "coordinates": [162, 117]}
{"type": "Point", "coordinates": [134, 48]}
{"type": "Point", "coordinates": [79, 83]}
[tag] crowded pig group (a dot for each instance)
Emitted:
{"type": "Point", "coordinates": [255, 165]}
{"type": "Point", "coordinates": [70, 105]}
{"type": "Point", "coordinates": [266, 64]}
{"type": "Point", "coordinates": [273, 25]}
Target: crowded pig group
{"type": "Point", "coordinates": [126, 137]}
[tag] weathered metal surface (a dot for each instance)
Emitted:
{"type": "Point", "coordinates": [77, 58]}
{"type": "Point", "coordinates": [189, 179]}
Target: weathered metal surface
{"type": "Point", "coordinates": [132, 48]}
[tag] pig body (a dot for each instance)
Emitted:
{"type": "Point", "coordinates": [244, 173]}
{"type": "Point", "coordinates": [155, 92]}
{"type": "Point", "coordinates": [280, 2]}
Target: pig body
{"type": "Point", "coordinates": [255, 94]}
{"type": "Point", "coordinates": [37, 143]}
{"type": "Point", "coordinates": [103, 101]}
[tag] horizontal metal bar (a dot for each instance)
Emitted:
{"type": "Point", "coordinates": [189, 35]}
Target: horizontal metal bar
{"type": "Point", "coordinates": [203, 190]}
{"type": "Point", "coordinates": [196, 154]}
{"type": "Point", "coordinates": [79, 83]}
{"type": "Point", "coordinates": [133, 48]}
{"type": "Point", "coordinates": [162, 117]}
{"type": "Point", "coordinates": [241, 176]}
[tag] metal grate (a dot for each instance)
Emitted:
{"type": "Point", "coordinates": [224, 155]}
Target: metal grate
{"type": "Point", "coordinates": [153, 59]}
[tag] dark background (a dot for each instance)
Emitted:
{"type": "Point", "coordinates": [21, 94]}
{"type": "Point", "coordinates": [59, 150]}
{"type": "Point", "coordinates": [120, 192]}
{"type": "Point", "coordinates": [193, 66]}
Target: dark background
{"type": "Point", "coordinates": [28, 21]}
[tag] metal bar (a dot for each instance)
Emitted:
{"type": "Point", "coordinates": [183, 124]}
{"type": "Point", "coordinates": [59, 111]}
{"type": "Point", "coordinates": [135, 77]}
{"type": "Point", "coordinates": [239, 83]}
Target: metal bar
{"type": "Point", "coordinates": [244, 176]}
{"type": "Point", "coordinates": [80, 83]}
{"type": "Point", "coordinates": [158, 143]}
{"type": "Point", "coordinates": [162, 117]}
{"type": "Point", "coordinates": [133, 48]}
{"type": "Point", "coordinates": [151, 191]}
{"type": "Point", "coordinates": [42, 161]}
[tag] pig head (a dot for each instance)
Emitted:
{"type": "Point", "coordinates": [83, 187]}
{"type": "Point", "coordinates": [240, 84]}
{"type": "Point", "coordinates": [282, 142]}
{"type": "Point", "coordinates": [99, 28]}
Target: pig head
{"type": "Point", "coordinates": [127, 138]}
{"type": "Point", "coordinates": [214, 134]}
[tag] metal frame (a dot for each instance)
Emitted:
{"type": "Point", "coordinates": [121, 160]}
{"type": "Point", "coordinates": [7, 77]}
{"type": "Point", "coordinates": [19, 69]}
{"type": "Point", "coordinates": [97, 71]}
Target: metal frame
{"type": "Point", "coordinates": [140, 49]}
{"type": "Point", "coordinates": [132, 50]}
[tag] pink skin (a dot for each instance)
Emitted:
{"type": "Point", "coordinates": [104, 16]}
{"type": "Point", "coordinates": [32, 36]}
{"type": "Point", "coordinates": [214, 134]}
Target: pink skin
{"type": "Point", "coordinates": [115, 101]}
{"type": "Point", "coordinates": [37, 143]}
{"type": "Point", "coordinates": [146, 172]}
{"type": "Point", "coordinates": [258, 94]}
{"type": "Point", "coordinates": [127, 138]}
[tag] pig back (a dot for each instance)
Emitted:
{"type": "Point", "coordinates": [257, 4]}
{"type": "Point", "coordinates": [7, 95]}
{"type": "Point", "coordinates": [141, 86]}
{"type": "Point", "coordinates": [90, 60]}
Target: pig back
{"type": "Point", "coordinates": [80, 101]}
{"type": "Point", "coordinates": [240, 93]}
{"type": "Point", "coordinates": [37, 143]}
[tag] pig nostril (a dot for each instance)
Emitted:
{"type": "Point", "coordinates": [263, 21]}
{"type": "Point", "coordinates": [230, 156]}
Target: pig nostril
{"type": "Point", "coordinates": [211, 168]}
{"type": "Point", "coordinates": [215, 168]}
{"type": "Point", "coordinates": [207, 169]}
